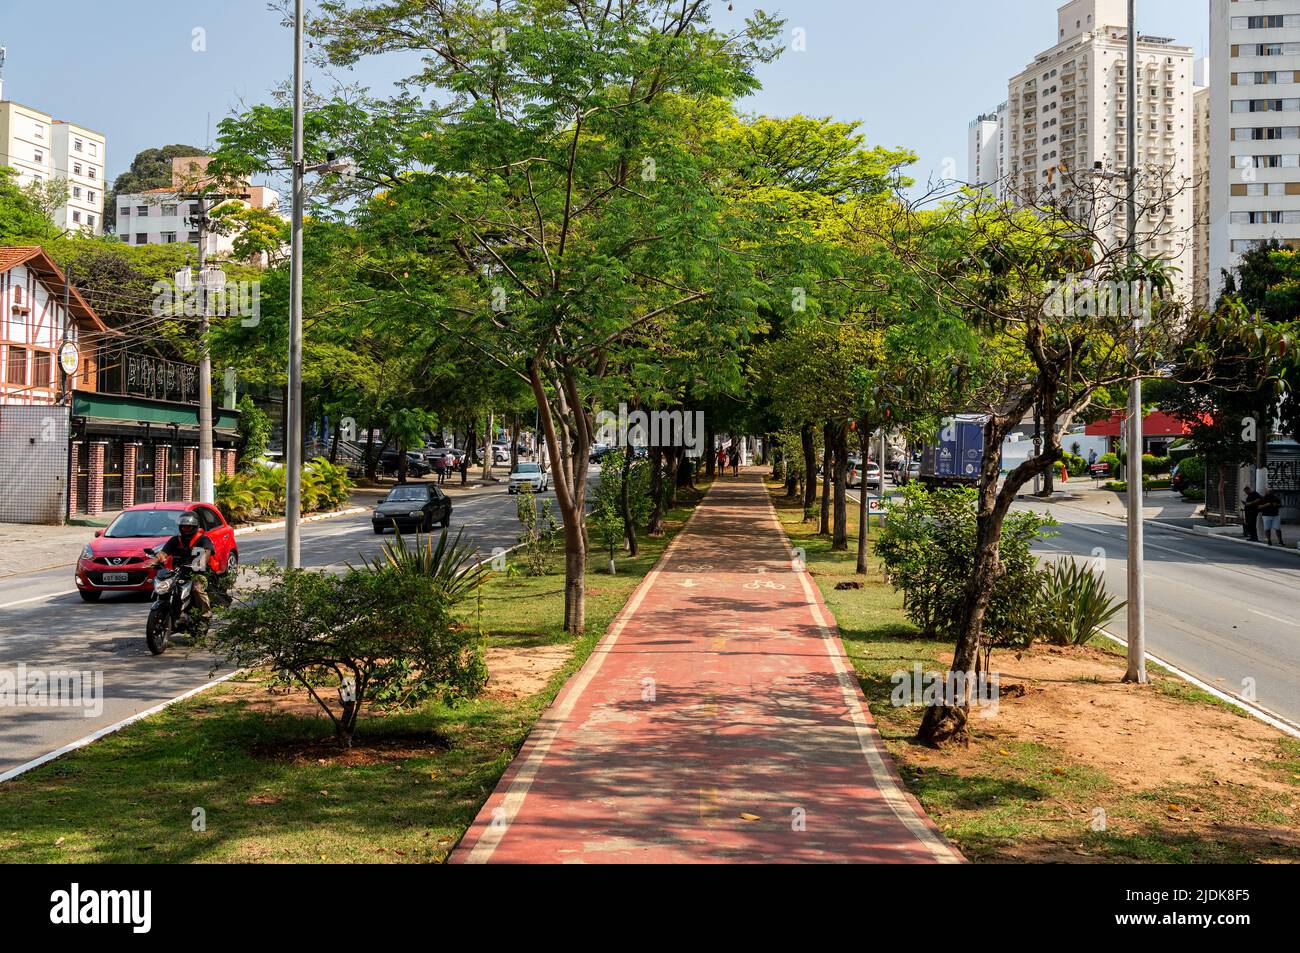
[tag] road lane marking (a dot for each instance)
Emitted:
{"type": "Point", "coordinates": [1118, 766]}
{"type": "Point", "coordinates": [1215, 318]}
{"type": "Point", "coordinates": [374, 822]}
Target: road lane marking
{"type": "Point", "coordinates": [51, 595]}
{"type": "Point", "coordinates": [1277, 618]}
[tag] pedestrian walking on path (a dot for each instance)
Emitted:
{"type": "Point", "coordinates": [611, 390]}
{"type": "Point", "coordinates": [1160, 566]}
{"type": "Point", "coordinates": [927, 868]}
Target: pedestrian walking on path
{"type": "Point", "coordinates": [1270, 516]}
{"type": "Point", "coordinates": [717, 720]}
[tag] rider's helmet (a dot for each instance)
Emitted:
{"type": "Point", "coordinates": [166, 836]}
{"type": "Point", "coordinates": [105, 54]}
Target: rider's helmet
{"type": "Point", "coordinates": [188, 525]}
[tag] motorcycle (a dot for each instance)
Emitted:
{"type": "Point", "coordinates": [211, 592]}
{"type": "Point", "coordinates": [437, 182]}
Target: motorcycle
{"type": "Point", "coordinates": [173, 591]}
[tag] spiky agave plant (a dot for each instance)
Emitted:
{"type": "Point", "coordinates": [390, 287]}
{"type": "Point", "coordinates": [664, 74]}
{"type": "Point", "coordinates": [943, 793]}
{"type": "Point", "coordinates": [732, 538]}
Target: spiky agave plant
{"type": "Point", "coordinates": [1076, 603]}
{"type": "Point", "coordinates": [451, 565]}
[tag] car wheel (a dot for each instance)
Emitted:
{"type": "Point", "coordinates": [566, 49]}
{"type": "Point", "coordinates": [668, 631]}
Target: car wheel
{"type": "Point", "coordinates": [232, 564]}
{"type": "Point", "coordinates": [446, 519]}
{"type": "Point", "coordinates": [89, 595]}
{"type": "Point", "coordinates": [379, 529]}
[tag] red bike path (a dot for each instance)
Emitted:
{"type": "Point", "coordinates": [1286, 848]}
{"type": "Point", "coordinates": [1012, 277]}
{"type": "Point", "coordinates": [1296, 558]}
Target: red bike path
{"type": "Point", "coordinates": [718, 720]}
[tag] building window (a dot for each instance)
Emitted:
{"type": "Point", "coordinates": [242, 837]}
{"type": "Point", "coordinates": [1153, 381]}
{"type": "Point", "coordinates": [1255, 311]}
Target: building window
{"type": "Point", "coordinates": [142, 210]}
{"type": "Point", "coordinates": [38, 155]}
{"type": "Point", "coordinates": [141, 238]}
{"type": "Point", "coordinates": [76, 168]}
{"type": "Point", "coordinates": [194, 238]}
{"type": "Point", "coordinates": [90, 195]}
{"type": "Point", "coordinates": [77, 145]}
{"type": "Point", "coordinates": [125, 210]}
{"type": "Point", "coordinates": [76, 217]}
{"type": "Point", "coordinates": [41, 366]}
{"type": "Point", "coordinates": [76, 191]}
{"type": "Point", "coordinates": [169, 209]}
{"type": "Point", "coordinates": [168, 237]}
{"type": "Point", "coordinates": [90, 220]}
{"type": "Point", "coordinates": [16, 366]}
{"type": "Point", "coordinates": [90, 171]}
{"type": "Point", "coordinates": [94, 149]}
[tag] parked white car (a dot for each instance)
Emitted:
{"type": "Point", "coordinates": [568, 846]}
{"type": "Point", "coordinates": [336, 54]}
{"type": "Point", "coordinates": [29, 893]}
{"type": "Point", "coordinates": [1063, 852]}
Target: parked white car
{"type": "Point", "coordinates": [530, 475]}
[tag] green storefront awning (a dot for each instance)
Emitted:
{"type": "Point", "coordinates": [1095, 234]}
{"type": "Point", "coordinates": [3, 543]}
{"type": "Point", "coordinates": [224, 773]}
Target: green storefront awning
{"type": "Point", "coordinates": [142, 410]}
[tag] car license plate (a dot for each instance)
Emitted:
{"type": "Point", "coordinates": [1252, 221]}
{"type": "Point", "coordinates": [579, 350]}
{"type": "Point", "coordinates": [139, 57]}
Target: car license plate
{"type": "Point", "coordinates": [115, 577]}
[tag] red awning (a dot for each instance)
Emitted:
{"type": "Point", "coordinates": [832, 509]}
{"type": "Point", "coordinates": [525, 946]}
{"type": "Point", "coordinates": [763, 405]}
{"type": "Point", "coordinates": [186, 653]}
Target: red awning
{"type": "Point", "coordinates": [1155, 424]}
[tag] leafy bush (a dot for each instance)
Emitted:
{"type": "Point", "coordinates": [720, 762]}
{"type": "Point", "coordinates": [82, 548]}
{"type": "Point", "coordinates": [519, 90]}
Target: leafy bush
{"type": "Point", "coordinates": [1075, 465]}
{"type": "Point", "coordinates": [1111, 460]}
{"type": "Point", "coordinates": [1155, 466]}
{"type": "Point", "coordinates": [1192, 470]}
{"type": "Point", "coordinates": [607, 503]}
{"type": "Point", "coordinates": [1075, 604]}
{"type": "Point", "coordinates": [259, 490]}
{"type": "Point", "coordinates": [378, 636]}
{"type": "Point", "coordinates": [254, 432]}
{"type": "Point", "coordinates": [541, 532]}
{"type": "Point", "coordinates": [928, 550]}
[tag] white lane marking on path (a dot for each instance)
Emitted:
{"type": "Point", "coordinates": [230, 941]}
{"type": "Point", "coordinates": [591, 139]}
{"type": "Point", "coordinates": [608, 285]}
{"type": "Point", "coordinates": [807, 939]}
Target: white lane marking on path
{"type": "Point", "coordinates": [548, 726]}
{"type": "Point", "coordinates": [867, 737]}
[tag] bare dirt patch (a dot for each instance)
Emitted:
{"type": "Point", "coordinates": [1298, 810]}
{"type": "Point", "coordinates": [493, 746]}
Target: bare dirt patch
{"type": "Point", "coordinates": [364, 751]}
{"type": "Point", "coordinates": [1074, 700]}
{"type": "Point", "coordinates": [520, 671]}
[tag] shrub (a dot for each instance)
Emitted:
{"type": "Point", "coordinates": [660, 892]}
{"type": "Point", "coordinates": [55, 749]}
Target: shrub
{"type": "Point", "coordinates": [378, 636]}
{"type": "Point", "coordinates": [254, 431]}
{"type": "Point", "coordinates": [450, 565]}
{"type": "Point", "coordinates": [1075, 465]}
{"type": "Point", "coordinates": [607, 503]}
{"type": "Point", "coordinates": [259, 490]}
{"type": "Point", "coordinates": [541, 531]}
{"type": "Point", "coordinates": [1156, 466]}
{"type": "Point", "coordinates": [1075, 604]}
{"type": "Point", "coordinates": [1111, 460]}
{"type": "Point", "coordinates": [928, 550]}
{"type": "Point", "coordinates": [1192, 470]}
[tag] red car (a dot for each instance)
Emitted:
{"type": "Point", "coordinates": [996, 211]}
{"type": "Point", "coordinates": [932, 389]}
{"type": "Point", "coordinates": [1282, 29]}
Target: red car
{"type": "Point", "coordinates": [114, 561]}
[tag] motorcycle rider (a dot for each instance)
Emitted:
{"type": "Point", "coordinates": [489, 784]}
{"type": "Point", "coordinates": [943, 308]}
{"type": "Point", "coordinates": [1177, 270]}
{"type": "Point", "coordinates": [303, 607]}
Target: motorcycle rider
{"type": "Point", "coordinates": [189, 542]}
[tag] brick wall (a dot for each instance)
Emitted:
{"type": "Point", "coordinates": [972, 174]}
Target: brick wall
{"type": "Point", "coordinates": [95, 493]}
{"type": "Point", "coordinates": [130, 459]}
{"type": "Point", "coordinates": [188, 462]}
{"type": "Point", "coordinates": [160, 472]}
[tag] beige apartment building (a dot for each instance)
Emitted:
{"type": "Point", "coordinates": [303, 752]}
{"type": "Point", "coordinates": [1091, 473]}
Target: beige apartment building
{"type": "Point", "coordinates": [40, 148]}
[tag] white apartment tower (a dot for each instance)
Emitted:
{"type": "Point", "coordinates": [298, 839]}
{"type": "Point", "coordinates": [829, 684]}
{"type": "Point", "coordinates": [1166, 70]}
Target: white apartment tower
{"type": "Point", "coordinates": [1067, 115]}
{"type": "Point", "coordinates": [1201, 191]}
{"type": "Point", "coordinates": [1255, 118]}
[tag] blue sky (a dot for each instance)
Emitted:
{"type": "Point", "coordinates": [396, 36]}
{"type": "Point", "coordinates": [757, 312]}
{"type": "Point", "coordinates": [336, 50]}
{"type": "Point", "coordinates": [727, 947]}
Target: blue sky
{"type": "Point", "coordinates": [915, 73]}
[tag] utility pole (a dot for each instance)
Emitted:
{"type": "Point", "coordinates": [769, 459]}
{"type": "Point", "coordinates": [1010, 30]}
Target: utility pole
{"type": "Point", "coordinates": [207, 489]}
{"type": "Point", "coordinates": [293, 421]}
{"type": "Point", "coordinates": [1137, 662]}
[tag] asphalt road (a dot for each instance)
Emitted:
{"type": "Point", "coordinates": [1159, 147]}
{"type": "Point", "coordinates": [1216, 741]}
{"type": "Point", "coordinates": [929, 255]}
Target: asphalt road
{"type": "Point", "coordinates": [45, 627]}
{"type": "Point", "coordinates": [1226, 613]}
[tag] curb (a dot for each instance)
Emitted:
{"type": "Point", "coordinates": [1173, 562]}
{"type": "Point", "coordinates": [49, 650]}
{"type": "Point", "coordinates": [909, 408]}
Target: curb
{"type": "Point", "coordinates": [1255, 711]}
{"type": "Point", "coordinates": [314, 518]}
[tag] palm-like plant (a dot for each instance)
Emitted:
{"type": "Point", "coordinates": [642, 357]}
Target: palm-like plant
{"type": "Point", "coordinates": [451, 565]}
{"type": "Point", "coordinates": [1076, 603]}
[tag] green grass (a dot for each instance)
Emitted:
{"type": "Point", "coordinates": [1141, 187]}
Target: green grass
{"type": "Point", "coordinates": [273, 785]}
{"type": "Point", "coordinates": [1004, 800]}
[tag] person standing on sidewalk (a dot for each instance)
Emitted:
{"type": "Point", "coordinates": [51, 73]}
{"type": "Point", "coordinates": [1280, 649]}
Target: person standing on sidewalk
{"type": "Point", "coordinates": [1251, 507]}
{"type": "Point", "coordinates": [1270, 515]}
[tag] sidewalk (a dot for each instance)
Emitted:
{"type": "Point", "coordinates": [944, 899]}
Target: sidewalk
{"type": "Point", "coordinates": [718, 720]}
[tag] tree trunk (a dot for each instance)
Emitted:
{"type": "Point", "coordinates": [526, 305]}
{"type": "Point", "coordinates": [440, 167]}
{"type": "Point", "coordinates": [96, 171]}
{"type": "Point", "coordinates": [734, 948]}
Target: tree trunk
{"type": "Point", "coordinates": [629, 525]}
{"type": "Point", "coordinates": [655, 527]}
{"type": "Point", "coordinates": [840, 537]}
{"type": "Point", "coordinates": [710, 454]}
{"type": "Point", "coordinates": [372, 458]}
{"type": "Point", "coordinates": [828, 445]}
{"type": "Point", "coordinates": [809, 467]}
{"type": "Point", "coordinates": [864, 513]}
{"type": "Point", "coordinates": [514, 442]}
{"type": "Point", "coordinates": [334, 442]}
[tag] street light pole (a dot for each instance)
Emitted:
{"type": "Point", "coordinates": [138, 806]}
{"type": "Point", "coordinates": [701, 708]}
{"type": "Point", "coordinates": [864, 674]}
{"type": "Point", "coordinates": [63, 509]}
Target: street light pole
{"type": "Point", "coordinates": [293, 421]}
{"type": "Point", "coordinates": [1137, 667]}
{"type": "Point", "coordinates": [207, 489]}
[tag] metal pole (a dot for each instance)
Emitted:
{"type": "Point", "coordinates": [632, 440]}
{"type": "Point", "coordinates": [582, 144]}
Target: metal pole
{"type": "Point", "coordinates": [293, 422]}
{"type": "Point", "coordinates": [207, 491]}
{"type": "Point", "coordinates": [1137, 661]}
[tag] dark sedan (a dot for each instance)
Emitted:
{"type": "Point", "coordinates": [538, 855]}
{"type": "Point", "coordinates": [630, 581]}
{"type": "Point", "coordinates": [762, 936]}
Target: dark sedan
{"type": "Point", "coordinates": [412, 506]}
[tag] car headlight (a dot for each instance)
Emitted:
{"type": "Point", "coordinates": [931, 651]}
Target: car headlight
{"type": "Point", "coordinates": [87, 553]}
{"type": "Point", "coordinates": [415, 514]}
{"type": "Point", "coordinates": [377, 515]}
